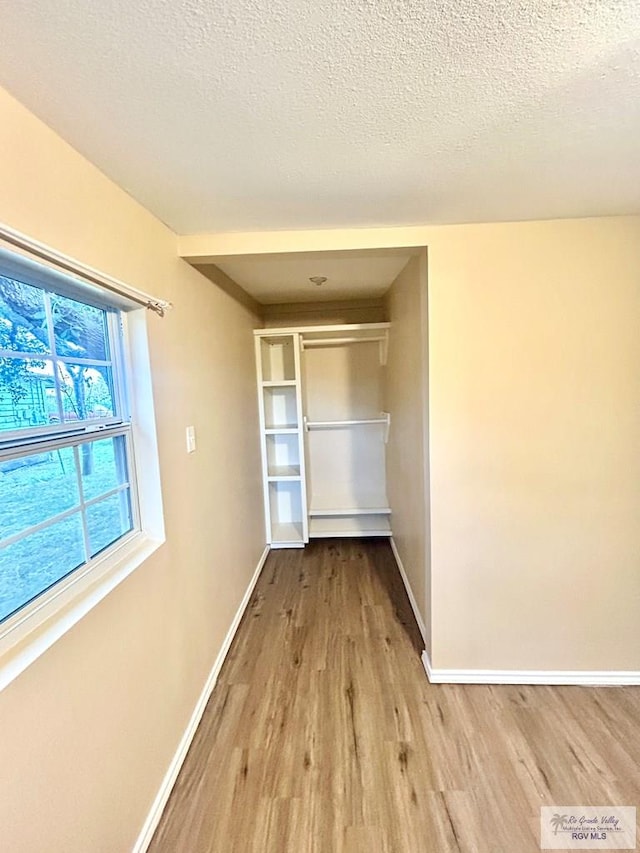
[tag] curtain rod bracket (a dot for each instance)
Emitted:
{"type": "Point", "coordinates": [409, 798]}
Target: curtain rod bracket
{"type": "Point", "coordinates": [158, 307]}
{"type": "Point", "coordinates": [87, 274]}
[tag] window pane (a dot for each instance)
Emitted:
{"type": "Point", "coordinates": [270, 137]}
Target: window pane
{"type": "Point", "coordinates": [23, 322]}
{"type": "Point", "coordinates": [27, 393]}
{"type": "Point", "coordinates": [33, 564]}
{"type": "Point", "coordinates": [104, 466]}
{"type": "Point", "coordinates": [57, 378]}
{"type": "Point", "coordinates": [80, 330]}
{"type": "Point", "coordinates": [35, 488]}
{"type": "Point", "coordinates": [87, 392]}
{"type": "Point", "coordinates": [108, 520]}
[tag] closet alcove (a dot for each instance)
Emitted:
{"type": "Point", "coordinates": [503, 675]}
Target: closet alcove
{"type": "Point", "coordinates": [323, 431]}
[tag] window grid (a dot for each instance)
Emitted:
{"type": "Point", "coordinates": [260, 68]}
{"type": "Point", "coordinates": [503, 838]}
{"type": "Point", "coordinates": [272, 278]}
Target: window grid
{"type": "Point", "coordinates": [87, 432]}
{"type": "Point", "coordinates": [113, 342]}
{"type": "Point", "coordinates": [67, 513]}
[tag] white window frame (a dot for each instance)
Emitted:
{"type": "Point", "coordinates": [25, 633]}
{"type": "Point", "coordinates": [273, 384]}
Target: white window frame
{"type": "Point", "coordinates": [26, 634]}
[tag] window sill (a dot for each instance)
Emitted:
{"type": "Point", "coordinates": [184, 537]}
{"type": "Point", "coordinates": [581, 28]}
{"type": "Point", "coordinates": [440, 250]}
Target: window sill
{"type": "Point", "coordinates": [36, 628]}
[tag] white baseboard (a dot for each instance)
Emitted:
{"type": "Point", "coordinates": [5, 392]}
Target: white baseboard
{"type": "Point", "coordinates": [584, 678]}
{"type": "Point", "coordinates": [412, 598]}
{"type": "Point", "coordinates": [153, 818]}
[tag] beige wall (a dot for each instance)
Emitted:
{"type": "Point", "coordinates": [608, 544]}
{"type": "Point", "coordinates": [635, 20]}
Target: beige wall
{"type": "Point", "coordinates": [535, 436]}
{"type": "Point", "coordinates": [406, 398]}
{"type": "Point", "coordinates": [321, 313]}
{"type": "Point", "coordinates": [535, 480]}
{"type": "Point", "coordinates": [534, 409]}
{"type": "Point", "coordinates": [88, 731]}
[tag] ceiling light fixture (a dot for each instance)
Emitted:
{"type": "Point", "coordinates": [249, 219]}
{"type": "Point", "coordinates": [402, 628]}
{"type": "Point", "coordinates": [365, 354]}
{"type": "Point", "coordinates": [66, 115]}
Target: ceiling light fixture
{"type": "Point", "coordinates": [318, 280]}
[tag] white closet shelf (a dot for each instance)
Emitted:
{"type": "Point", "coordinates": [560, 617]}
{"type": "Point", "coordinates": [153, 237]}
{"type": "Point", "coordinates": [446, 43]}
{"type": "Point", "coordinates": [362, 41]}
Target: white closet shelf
{"type": "Point", "coordinates": [287, 533]}
{"type": "Point", "coordinates": [364, 525]}
{"type": "Point", "coordinates": [283, 471]}
{"type": "Point", "coordinates": [326, 512]}
{"type": "Point", "coordinates": [314, 332]}
{"type": "Point", "coordinates": [349, 534]}
{"type": "Point", "coordinates": [278, 383]}
{"type": "Point", "coordinates": [283, 429]}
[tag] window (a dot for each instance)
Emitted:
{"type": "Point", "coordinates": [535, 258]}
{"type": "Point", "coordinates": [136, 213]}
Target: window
{"type": "Point", "coordinates": [67, 488]}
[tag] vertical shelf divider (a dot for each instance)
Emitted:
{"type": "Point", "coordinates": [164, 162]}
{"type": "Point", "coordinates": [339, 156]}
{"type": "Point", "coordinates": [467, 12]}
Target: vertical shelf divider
{"type": "Point", "coordinates": [281, 437]}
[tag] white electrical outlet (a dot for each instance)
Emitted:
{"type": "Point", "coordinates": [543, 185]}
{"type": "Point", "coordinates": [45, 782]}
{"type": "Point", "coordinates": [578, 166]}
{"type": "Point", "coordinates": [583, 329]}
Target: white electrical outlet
{"type": "Point", "coordinates": [191, 439]}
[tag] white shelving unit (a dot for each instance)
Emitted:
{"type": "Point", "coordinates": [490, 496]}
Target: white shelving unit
{"type": "Point", "coordinates": [335, 453]}
{"type": "Point", "coordinates": [280, 406]}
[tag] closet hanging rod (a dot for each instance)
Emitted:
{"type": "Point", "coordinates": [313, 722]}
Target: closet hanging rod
{"type": "Point", "coordinates": [352, 422]}
{"type": "Point", "coordinates": [384, 419]}
{"type": "Point", "coordinates": [328, 342]}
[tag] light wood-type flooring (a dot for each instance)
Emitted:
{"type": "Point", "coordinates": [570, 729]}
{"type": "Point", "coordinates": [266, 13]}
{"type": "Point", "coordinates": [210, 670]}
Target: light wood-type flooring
{"type": "Point", "coordinates": [323, 734]}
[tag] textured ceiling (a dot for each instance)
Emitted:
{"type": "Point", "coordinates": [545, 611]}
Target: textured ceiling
{"type": "Point", "coordinates": [279, 114]}
{"type": "Point", "coordinates": [276, 278]}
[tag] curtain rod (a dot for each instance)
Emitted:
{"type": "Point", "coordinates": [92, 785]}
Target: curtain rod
{"type": "Point", "coordinates": [64, 262]}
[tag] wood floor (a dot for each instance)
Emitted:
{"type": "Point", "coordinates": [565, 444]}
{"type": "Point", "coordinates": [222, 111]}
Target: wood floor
{"type": "Point", "coordinates": [323, 734]}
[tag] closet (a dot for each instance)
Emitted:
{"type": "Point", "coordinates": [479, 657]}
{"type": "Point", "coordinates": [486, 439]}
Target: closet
{"type": "Point", "coordinates": [323, 431]}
